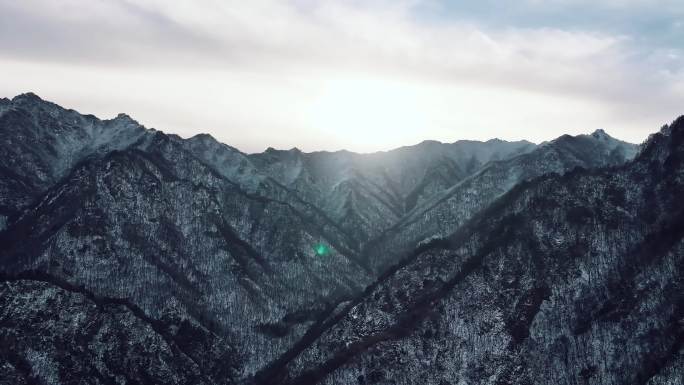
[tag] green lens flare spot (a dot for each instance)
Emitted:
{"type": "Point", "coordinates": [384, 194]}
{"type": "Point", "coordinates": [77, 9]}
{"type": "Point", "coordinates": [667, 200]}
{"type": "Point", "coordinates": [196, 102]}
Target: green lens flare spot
{"type": "Point", "coordinates": [321, 249]}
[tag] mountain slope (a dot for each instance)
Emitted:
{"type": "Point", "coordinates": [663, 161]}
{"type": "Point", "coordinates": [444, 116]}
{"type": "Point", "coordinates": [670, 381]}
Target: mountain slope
{"type": "Point", "coordinates": [53, 332]}
{"type": "Point", "coordinates": [145, 257]}
{"type": "Point", "coordinates": [237, 167]}
{"type": "Point", "coordinates": [155, 225]}
{"type": "Point", "coordinates": [367, 193]}
{"type": "Point", "coordinates": [451, 208]}
{"type": "Point", "coordinates": [362, 193]}
{"type": "Point", "coordinates": [566, 279]}
{"type": "Point", "coordinates": [40, 142]}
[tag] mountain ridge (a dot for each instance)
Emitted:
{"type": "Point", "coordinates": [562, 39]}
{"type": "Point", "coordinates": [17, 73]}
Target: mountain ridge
{"type": "Point", "coordinates": [335, 267]}
{"type": "Point", "coordinates": [375, 369]}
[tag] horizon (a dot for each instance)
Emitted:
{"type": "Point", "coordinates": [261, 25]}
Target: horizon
{"type": "Point", "coordinates": [362, 76]}
{"type": "Point", "coordinates": [85, 113]}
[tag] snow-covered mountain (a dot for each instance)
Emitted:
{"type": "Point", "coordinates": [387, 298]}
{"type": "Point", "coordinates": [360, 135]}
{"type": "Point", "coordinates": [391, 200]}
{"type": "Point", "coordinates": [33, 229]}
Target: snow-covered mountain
{"type": "Point", "coordinates": [367, 193]}
{"type": "Point", "coordinates": [40, 142]}
{"type": "Point", "coordinates": [573, 278]}
{"type": "Point", "coordinates": [133, 256]}
{"type": "Point", "coordinates": [447, 210]}
{"type": "Point", "coordinates": [151, 223]}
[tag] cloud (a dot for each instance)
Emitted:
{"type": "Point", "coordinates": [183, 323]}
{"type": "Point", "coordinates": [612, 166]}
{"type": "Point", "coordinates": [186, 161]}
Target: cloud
{"type": "Point", "coordinates": [271, 65]}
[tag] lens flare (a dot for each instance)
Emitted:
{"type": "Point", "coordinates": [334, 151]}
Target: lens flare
{"type": "Point", "coordinates": [321, 249]}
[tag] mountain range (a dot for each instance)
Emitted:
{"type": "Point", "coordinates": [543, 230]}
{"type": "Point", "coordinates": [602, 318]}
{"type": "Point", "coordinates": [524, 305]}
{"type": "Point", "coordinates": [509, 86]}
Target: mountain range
{"type": "Point", "coordinates": [131, 256]}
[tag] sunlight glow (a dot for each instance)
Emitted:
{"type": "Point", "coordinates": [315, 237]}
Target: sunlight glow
{"type": "Point", "coordinates": [372, 111]}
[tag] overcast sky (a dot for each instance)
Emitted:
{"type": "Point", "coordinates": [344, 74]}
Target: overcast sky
{"type": "Point", "coordinates": [361, 75]}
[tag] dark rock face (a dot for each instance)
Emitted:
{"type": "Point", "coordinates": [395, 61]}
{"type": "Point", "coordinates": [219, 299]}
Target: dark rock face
{"type": "Point", "coordinates": [131, 256]}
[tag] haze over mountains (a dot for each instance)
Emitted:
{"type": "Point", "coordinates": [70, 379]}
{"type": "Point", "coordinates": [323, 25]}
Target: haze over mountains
{"type": "Point", "coordinates": [132, 256]}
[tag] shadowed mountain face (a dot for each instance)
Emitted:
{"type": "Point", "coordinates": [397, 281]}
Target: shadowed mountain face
{"type": "Point", "coordinates": [139, 257]}
{"type": "Point", "coordinates": [565, 279]}
{"type": "Point", "coordinates": [367, 193]}
{"type": "Point", "coordinates": [451, 207]}
{"type": "Point", "coordinates": [40, 142]}
{"type": "Point", "coordinates": [362, 193]}
{"type": "Point", "coordinates": [156, 226]}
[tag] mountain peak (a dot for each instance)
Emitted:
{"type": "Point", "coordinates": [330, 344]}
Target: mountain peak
{"type": "Point", "coordinates": [31, 100]}
{"type": "Point", "coordinates": [124, 118]}
{"type": "Point", "coordinates": [429, 142]}
{"type": "Point", "coordinates": [27, 97]}
{"type": "Point", "coordinates": [204, 137]}
{"type": "Point", "coordinates": [667, 129]}
{"type": "Point", "coordinates": [600, 134]}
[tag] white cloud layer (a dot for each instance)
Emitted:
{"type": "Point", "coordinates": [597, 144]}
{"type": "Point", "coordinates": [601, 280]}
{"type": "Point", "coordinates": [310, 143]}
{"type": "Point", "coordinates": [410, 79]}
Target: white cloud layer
{"type": "Point", "coordinates": [361, 75]}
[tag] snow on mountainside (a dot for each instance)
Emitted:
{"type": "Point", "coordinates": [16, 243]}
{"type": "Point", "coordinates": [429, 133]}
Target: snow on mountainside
{"type": "Point", "coordinates": [452, 207]}
{"type": "Point", "coordinates": [227, 160]}
{"type": "Point", "coordinates": [369, 192]}
{"type": "Point", "coordinates": [567, 279]}
{"type": "Point", "coordinates": [40, 142]}
{"type": "Point", "coordinates": [55, 333]}
{"type": "Point", "coordinates": [166, 232]}
{"type": "Point", "coordinates": [145, 257]}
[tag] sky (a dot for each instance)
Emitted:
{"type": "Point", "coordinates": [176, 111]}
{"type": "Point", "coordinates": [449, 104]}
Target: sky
{"type": "Point", "coordinates": [358, 75]}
